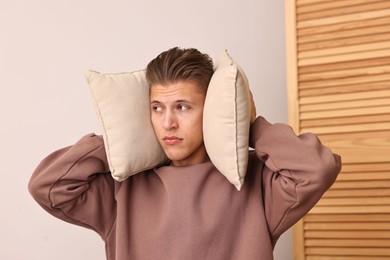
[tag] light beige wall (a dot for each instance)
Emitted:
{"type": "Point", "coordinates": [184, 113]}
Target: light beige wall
{"type": "Point", "coordinates": [44, 103]}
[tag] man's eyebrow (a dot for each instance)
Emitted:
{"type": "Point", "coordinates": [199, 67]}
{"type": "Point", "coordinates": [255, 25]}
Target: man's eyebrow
{"type": "Point", "coordinates": [183, 101]}
{"type": "Point", "coordinates": [176, 101]}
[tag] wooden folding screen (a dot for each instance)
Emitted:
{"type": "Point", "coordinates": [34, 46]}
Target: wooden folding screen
{"type": "Point", "coordinates": [338, 64]}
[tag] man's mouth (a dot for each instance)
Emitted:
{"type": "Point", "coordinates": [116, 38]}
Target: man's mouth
{"type": "Point", "coordinates": [171, 140]}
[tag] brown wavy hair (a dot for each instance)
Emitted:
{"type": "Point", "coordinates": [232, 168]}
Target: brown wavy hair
{"type": "Point", "coordinates": [176, 64]}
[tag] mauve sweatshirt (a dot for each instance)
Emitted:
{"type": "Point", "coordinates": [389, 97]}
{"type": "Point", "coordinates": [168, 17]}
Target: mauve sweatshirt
{"type": "Point", "coordinates": [191, 212]}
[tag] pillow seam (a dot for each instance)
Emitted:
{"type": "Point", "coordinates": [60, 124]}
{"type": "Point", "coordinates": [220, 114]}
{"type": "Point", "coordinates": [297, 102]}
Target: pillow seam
{"type": "Point", "coordinates": [236, 124]}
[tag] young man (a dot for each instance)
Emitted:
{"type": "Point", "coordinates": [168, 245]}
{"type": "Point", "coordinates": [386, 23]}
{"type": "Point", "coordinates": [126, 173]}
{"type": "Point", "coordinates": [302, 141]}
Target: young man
{"type": "Point", "coordinates": [187, 209]}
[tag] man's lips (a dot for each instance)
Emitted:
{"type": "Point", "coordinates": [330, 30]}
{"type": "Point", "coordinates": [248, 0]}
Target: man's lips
{"type": "Point", "coordinates": [170, 140]}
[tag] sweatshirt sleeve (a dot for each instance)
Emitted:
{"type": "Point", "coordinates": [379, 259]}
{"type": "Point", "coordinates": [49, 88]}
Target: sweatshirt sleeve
{"type": "Point", "coordinates": [298, 170]}
{"type": "Point", "coordinates": [73, 184]}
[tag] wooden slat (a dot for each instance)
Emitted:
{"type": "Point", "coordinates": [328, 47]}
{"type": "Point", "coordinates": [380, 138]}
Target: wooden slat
{"type": "Point", "coordinates": [351, 209]}
{"type": "Point", "coordinates": [348, 112]}
{"type": "Point", "coordinates": [309, 2]}
{"type": "Point", "coordinates": [361, 184]}
{"type": "Point", "coordinates": [344, 57]}
{"type": "Point", "coordinates": [353, 185]}
{"type": "Point", "coordinates": [351, 120]}
{"type": "Point", "coordinates": [349, 251]}
{"type": "Point", "coordinates": [355, 193]}
{"type": "Point", "coordinates": [328, 218]}
{"type": "Point", "coordinates": [345, 257]}
{"type": "Point", "coordinates": [378, 139]}
{"type": "Point", "coordinates": [291, 62]}
{"type": "Point", "coordinates": [344, 89]}
{"type": "Point", "coordinates": [358, 234]}
{"type": "Point", "coordinates": [347, 243]}
{"type": "Point", "coordinates": [346, 104]}
{"type": "Point", "coordinates": [364, 176]}
{"type": "Point", "coordinates": [323, 7]}
{"type": "Point", "coordinates": [358, 140]}
{"type": "Point", "coordinates": [347, 226]}
{"type": "Point", "coordinates": [344, 18]}
{"type": "Point", "coordinates": [345, 65]}
{"type": "Point", "coordinates": [345, 81]}
{"type": "Point", "coordinates": [347, 128]}
{"type": "Point", "coordinates": [347, 34]}
{"type": "Point", "coordinates": [366, 167]}
{"type": "Point", "coordinates": [344, 50]}
{"type": "Point", "coordinates": [337, 74]}
{"type": "Point", "coordinates": [356, 40]}
{"type": "Point", "coordinates": [354, 25]}
{"type": "Point", "coordinates": [371, 6]}
{"type": "Point", "coordinates": [369, 147]}
{"type": "Point", "coordinates": [357, 201]}
{"type": "Point", "coordinates": [348, 96]}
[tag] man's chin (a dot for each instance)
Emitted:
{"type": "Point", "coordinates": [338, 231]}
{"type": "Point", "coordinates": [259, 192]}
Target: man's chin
{"type": "Point", "coordinates": [174, 156]}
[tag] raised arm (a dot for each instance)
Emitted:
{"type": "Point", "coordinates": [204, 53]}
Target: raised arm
{"type": "Point", "coordinates": [298, 170]}
{"type": "Point", "coordinates": [72, 184]}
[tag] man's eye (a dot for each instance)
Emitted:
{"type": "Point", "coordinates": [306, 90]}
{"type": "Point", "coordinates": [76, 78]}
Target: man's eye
{"type": "Point", "coordinates": [157, 108]}
{"type": "Point", "coordinates": [183, 107]}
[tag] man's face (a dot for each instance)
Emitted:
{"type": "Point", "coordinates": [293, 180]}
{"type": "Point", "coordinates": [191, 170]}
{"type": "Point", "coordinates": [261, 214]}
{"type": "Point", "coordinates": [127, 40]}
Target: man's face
{"type": "Point", "coordinates": [177, 114]}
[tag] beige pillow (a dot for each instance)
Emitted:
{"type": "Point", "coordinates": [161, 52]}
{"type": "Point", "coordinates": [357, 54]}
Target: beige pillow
{"type": "Point", "coordinates": [226, 120]}
{"type": "Point", "coordinates": [122, 104]}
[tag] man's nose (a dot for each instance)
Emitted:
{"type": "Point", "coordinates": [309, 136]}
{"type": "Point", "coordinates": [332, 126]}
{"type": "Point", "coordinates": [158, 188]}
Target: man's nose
{"type": "Point", "coordinates": [169, 121]}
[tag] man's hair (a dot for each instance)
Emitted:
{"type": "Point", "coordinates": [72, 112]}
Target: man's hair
{"type": "Point", "coordinates": [176, 64]}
